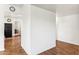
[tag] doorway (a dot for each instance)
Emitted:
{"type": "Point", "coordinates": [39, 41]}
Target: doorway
{"type": "Point", "coordinates": [7, 30]}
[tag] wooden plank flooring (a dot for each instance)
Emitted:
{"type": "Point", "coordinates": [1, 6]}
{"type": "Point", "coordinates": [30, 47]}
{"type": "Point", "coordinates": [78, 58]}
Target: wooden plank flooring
{"type": "Point", "coordinates": [62, 48]}
{"type": "Point", "coordinates": [13, 47]}
{"type": "Point", "coordinates": [49, 52]}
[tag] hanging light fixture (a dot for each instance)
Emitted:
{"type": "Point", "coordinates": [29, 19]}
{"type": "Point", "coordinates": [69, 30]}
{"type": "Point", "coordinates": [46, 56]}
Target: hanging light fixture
{"type": "Point", "coordinates": [12, 8]}
{"type": "Point", "coordinates": [8, 20]}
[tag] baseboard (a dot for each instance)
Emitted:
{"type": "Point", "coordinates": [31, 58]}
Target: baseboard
{"type": "Point", "coordinates": [2, 49]}
{"type": "Point", "coordinates": [67, 42]}
{"type": "Point", "coordinates": [47, 51]}
{"type": "Point", "coordinates": [66, 48]}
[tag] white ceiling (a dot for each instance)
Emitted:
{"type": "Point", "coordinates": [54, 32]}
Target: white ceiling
{"type": "Point", "coordinates": [50, 7]}
{"type": "Point", "coordinates": [67, 9]}
{"type": "Point", "coordinates": [61, 9]}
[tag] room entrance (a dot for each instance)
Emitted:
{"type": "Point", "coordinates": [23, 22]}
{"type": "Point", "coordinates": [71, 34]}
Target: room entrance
{"type": "Point", "coordinates": [7, 30]}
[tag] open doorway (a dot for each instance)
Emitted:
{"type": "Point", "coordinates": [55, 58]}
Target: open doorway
{"type": "Point", "coordinates": [7, 30]}
{"type": "Point", "coordinates": [12, 35]}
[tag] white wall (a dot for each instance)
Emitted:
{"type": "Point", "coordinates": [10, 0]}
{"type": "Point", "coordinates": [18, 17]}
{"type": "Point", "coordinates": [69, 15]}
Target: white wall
{"type": "Point", "coordinates": [26, 29]}
{"type": "Point", "coordinates": [1, 34]}
{"type": "Point", "coordinates": [43, 24]}
{"type": "Point", "coordinates": [38, 29]}
{"type": "Point", "coordinates": [68, 28]}
{"type": "Point", "coordinates": [2, 27]}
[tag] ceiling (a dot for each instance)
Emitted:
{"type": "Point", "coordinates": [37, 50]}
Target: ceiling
{"type": "Point", "coordinates": [61, 9]}
{"type": "Point", "coordinates": [50, 7]}
{"type": "Point", "coordinates": [67, 9]}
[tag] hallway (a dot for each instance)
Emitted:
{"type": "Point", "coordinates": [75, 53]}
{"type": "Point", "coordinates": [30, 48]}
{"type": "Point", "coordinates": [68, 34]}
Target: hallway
{"type": "Point", "coordinates": [13, 47]}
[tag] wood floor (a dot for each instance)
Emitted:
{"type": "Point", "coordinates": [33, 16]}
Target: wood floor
{"type": "Point", "coordinates": [51, 51]}
{"type": "Point", "coordinates": [62, 48]}
{"type": "Point", "coordinates": [13, 47]}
